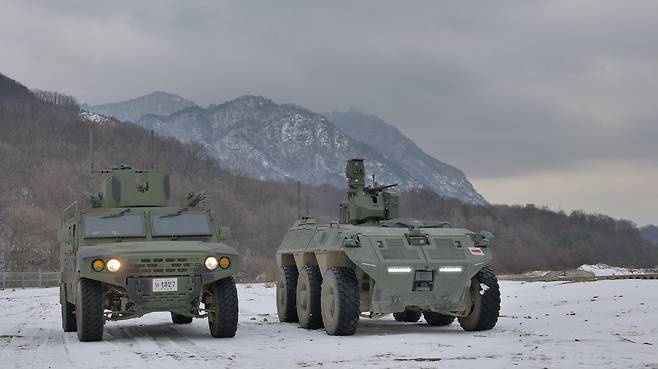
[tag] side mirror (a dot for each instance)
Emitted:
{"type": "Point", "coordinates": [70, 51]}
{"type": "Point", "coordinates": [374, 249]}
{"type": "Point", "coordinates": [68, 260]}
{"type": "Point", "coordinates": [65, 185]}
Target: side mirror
{"type": "Point", "coordinates": [484, 238]}
{"type": "Point", "coordinates": [224, 233]}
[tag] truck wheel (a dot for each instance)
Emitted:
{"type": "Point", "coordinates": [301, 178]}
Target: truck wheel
{"type": "Point", "coordinates": [436, 319]}
{"type": "Point", "coordinates": [308, 297]}
{"type": "Point", "coordinates": [222, 304]}
{"type": "Point", "coordinates": [409, 316]}
{"type": "Point", "coordinates": [485, 294]}
{"type": "Point", "coordinates": [89, 310]}
{"type": "Point", "coordinates": [340, 301]}
{"type": "Point", "coordinates": [286, 291]}
{"type": "Point", "coordinates": [180, 319]}
{"type": "Point", "coordinates": [68, 311]}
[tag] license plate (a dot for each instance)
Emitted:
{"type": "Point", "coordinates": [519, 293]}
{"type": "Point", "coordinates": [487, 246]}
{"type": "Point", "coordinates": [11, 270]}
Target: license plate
{"type": "Point", "coordinates": [165, 284]}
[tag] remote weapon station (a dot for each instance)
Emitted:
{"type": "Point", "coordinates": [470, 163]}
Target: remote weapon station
{"type": "Point", "coordinates": [375, 263]}
{"type": "Point", "coordinates": [127, 252]}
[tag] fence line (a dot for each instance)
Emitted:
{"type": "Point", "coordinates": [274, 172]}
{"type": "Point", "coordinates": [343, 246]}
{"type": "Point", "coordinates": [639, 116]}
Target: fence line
{"type": "Point", "coordinates": [29, 279]}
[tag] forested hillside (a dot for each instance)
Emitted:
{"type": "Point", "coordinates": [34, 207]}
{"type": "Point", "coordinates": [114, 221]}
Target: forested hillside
{"type": "Point", "coordinates": [43, 157]}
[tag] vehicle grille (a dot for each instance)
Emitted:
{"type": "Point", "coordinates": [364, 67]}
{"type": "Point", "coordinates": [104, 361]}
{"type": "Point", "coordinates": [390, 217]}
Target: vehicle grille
{"type": "Point", "coordinates": [159, 266]}
{"type": "Point", "coordinates": [166, 297]}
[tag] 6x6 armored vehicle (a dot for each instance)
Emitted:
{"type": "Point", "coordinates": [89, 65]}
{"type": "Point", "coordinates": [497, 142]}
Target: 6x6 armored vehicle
{"type": "Point", "coordinates": [130, 253]}
{"type": "Point", "coordinates": [371, 261]}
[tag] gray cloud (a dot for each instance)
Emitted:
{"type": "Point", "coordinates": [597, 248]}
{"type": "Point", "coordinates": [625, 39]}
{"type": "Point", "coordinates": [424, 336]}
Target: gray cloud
{"type": "Point", "coordinates": [499, 89]}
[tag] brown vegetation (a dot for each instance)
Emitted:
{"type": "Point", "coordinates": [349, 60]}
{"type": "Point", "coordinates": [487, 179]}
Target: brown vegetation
{"type": "Point", "coordinates": [43, 157]}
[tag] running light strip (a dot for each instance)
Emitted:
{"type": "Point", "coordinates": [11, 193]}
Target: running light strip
{"type": "Point", "coordinates": [399, 269]}
{"type": "Point", "coordinates": [450, 269]}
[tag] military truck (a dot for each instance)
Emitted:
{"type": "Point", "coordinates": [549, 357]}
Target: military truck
{"type": "Point", "coordinates": [127, 252]}
{"type": "Point", "coordinates": [375, 263]}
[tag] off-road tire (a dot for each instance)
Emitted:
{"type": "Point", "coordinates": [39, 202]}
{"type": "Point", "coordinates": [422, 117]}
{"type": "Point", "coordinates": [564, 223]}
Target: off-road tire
{"type": "Point", "coordinates": [307, 300]}
{"type": "Point", "coordinates": [89, 310]}
{"type": "Point", "coordinates": [286, 294]}
{"type": "Point", "coordinates": [222, 303]}
{"type": "Point", "coordinates": [486, 303]}
{"type": "Point", "coordinates": [180, 319]}
{"type": "Point", "coordinates": [408, 316]}
{"type": "Point", "coordinates": [68, 311]}
{"type": "Point", "coordinates": [436, 319]}
{"type": "Point", "coordinates": [340, 301]}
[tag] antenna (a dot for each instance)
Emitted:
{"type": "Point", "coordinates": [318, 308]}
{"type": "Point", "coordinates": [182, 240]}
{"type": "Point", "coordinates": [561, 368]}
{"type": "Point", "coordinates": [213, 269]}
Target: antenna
{"type": "Point", "coordinates": [152, 148]}
{"type": "Point", "coordinates": [307, 207]}
{"type": "Point", "coordinates": [299, 205]}
{"type": "Point", "coordinates": [91, 151]}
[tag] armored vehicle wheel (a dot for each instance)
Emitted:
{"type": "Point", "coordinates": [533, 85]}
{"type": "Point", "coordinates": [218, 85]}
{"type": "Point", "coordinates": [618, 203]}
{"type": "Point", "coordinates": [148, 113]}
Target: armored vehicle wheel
{"type": "Point", "coordinates": [180, 319]}
{"type": "Point", "coordinates": [68, 311]}
{"type": "Point", "coordinates": [309, 285]}
{"type": "Point", "coordinates": [89, 310]}
{"type": "Point", "coordinates": [340, 301]}
{"type": "Point", "coordinates": [437, 319]}
{"type": "Point", "coordinates": [286, 291]}
{"type": "Point", "coordinates": [485, 295]}
{"type": "Point", "coordinates": [409, 316]}
{"type": "Point", "coordinates": [221, 300]}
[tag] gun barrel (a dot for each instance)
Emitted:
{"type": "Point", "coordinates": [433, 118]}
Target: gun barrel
{"type": "Point", "coordinates": [380, 188]}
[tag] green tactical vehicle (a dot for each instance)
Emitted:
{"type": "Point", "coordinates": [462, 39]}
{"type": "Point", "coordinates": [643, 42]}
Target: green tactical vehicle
{"type": "Point", "coordinates": [128, 253]}
{"type": "Point", "coordinates": [374, 262]}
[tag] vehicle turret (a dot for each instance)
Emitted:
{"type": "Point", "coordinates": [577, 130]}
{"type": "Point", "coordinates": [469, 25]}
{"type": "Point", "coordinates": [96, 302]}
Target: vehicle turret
{"type": "Point", "coordinates": [366, 203]}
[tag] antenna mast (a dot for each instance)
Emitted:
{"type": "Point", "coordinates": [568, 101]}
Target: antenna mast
{"type": "Point", "coordinates": [299, 205]}
{"type": "Point", "coordinates": [91, 151]}
{"type": "Point", "coordinates": [152, 149]}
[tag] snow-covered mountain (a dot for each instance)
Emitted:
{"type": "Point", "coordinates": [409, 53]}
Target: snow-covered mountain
{"type": "Point", "coordinates": [268, 140]}
{"type": "Point", "coordinates": [257, 137]}
{"type": "Point", "coordinates": [399, 149]}
{"type": "Point", "coordinates": [161, 103]}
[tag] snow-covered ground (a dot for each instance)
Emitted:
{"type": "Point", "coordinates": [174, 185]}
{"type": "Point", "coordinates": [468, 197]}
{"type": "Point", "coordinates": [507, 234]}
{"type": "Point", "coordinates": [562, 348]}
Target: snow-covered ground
{"type": "Point", "coordinates": [607, 270]}
{"type": "Point", "coordinates": [604, 324]}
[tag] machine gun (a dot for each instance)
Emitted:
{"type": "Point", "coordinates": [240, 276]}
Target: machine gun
{"type": "Point", "coordinates": [376, 189]}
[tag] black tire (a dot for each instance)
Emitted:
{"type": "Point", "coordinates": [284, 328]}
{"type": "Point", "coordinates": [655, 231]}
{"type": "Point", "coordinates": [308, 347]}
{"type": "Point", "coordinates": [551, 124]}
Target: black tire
{"type": "Point", "coordinates": [68, 311]}
{"type": "Point", "coordinates": [436, 319]}
{"type": "Point", "coordinates": [408, 316]}
{"type": "Point", "coordinates": [180, 319]}
{"type": "Point", "coordinates": [307, 300]}
{"type": "Point", "coordinates": [221, 300]}
{"type": "Point", "coordinates": [286, 294]}
{"type": "Point", "coordinates": [340, 302]}
{"type": "Point", "coordinates": [486, 302]}
{"type": "Point", "coordinates": [89, 310]}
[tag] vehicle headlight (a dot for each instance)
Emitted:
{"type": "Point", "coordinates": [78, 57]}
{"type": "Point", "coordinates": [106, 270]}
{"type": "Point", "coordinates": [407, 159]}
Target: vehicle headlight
{"type": "Point", "coordinates": [211, 263]}
{"type": "Point", "coordinates": [224, 262]}
{"type": "Point", "coordinates": [113, 265]}
{"type": "Point", "coordinates": [98, 265]}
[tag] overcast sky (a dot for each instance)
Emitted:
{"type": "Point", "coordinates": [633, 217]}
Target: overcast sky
{"type": "Point", "coordinates": [547, 102]}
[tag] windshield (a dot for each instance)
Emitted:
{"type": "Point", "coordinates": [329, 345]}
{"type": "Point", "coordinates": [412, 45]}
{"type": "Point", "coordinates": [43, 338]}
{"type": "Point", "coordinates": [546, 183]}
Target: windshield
{"type": "Point", "coordinates": [122, 224]}
{"type": "Point", "coordinates": [181, 224]}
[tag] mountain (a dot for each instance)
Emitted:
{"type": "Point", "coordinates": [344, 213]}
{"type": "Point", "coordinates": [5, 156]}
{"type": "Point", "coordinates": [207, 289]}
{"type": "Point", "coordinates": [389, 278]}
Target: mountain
{"type": "Point", "coordinates": [14, 92]}
{"type": "Point", "coordinates": [160, 103]}
{"type": "Point", "coordinates": [650, 233]}
{"type": "Point", "coordinates": [399, 149]}
{"type": "Point", "coordinates": [258, 137]}
{"type": "Point", "coordinates": [44, 152]}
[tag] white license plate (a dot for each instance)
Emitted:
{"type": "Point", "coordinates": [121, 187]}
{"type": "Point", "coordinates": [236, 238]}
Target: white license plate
{"type": "Point", "coordinates": [165, 284]}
